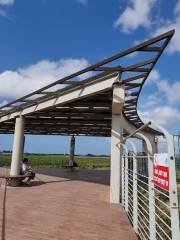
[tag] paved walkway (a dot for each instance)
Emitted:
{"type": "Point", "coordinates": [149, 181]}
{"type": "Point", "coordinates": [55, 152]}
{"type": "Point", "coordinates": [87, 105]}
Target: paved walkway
{"type": "Point", "coordinates": [63, 205]}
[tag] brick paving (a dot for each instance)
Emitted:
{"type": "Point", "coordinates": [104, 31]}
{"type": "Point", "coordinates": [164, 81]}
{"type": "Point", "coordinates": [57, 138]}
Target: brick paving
{"type": "Point", "coordinates": [64, 205]}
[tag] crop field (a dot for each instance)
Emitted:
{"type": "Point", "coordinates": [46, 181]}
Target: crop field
{"type": "Point", "coordinates": [43, 160]}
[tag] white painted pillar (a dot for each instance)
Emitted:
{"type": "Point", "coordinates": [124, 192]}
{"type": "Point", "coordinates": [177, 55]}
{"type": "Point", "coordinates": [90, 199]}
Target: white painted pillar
{"type": "Point", "coordinates": [124, 159]}
{"type": "Point", "coordinates": [72, 150]}
{"type": "Point", "coordinates": [116, 138]}
{"type": "Point", "coordinates": [135, 189]}
{"type": "Point", "coordinates": [126, 179]}
{"type": "Point", "coordinates": [152, 209]}
{"type": "Point", "coordinates": [18, 146]}
{"type": "Point", "coordinates": [135, 195]}
{"type": "Point", "coordinates": [123, 180]}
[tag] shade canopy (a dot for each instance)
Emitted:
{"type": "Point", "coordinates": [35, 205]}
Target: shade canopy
{"type": "Point", "coordinates": [81, 104]}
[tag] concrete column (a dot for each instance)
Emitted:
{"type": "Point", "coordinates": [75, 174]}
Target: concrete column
{"type": "Point", "coordinates": [72, 150]}
{"type": "Point", "coordinates": [116, 148]}
{"type": "Point", "coordinates": [18, 146]}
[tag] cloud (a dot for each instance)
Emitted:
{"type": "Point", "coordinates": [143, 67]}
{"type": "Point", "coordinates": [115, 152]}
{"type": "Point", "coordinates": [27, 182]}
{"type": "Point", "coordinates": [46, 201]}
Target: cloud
{"type": "Point", "coordinates": [177, 7]}
{"type": "Point", "coordinates": [153, 76]}
{"type": "Point", "coordinates": [15, 84]}
{"type": "Point", "coordinates": [174, 45]}
{"type": "Point", "coordinates": [83, 2]}
{"type": "Point", "coordinates": [171, 91]}
{"type": "Point", "coordinates": [170, 24]}
{"type": "Point", "coordinates": [165, 116]}
{"type": "Point", "coordinates": [151, 100]}
{"type": "Point", "coordinates": [162, 103]}
{"type": "Point", "coordinates": [6, 2]}
{"type": "Point", "coordinates": [138, 14]}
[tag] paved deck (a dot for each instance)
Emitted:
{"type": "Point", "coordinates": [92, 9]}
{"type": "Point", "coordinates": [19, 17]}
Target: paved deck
{"type": "Point", "coordinates": [61, 205]}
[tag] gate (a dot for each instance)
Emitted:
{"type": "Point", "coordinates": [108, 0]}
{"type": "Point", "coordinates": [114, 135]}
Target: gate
{"type": "Point", "coordinates": [151, 208]}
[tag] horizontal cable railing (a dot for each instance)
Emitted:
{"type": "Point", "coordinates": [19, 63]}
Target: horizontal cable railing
{"type": "Point", "coordinates": [148, 200]}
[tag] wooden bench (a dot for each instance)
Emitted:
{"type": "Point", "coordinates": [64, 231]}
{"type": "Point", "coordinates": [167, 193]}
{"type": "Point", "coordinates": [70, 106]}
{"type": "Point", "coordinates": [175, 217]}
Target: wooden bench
{"type": "Point", "coordinates": [13, 177]}
{"type": "Point", "coordinates": [14, 180]}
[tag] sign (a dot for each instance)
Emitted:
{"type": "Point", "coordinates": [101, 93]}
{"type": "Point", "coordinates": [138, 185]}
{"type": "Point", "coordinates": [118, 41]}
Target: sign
{"type": "Point", "coordinates": [161, 171]}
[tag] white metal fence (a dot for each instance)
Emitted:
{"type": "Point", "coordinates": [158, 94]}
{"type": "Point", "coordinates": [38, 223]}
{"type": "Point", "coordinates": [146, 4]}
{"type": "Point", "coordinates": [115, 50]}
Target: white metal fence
{"type": "Point", "coordinates": [152, 210]}
{"type": "Point", "coordinates": [147, 206]}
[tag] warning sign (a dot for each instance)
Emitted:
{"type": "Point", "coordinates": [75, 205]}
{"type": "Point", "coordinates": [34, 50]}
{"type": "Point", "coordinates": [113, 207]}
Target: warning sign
{"type": "Point", "coordinates": [161, 171]}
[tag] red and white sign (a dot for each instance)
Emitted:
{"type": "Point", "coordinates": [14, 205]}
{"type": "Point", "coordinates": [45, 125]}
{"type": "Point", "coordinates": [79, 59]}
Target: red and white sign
{"type": "Point", "coordinates": [161, 171]}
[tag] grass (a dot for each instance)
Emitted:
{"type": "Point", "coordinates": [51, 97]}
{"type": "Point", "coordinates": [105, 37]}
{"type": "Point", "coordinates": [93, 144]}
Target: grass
{"type": "Point", "coordinates": [37, 160]}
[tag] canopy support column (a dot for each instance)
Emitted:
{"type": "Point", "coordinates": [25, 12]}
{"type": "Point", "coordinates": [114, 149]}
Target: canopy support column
{"type": "Point", "coordinates": [116, 137]}
{"type": "Point", "coordinates": [18, 146]}
{"type": "Point", "coordinates": [72, 150]}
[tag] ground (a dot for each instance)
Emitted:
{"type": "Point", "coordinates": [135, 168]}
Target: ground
{"type": "Point", "coordinates": [64, 205]}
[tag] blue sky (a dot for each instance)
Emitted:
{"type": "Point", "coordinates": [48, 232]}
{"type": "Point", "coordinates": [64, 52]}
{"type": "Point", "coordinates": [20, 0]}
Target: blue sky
{"type": "Point", "coordinates": [42, 40]}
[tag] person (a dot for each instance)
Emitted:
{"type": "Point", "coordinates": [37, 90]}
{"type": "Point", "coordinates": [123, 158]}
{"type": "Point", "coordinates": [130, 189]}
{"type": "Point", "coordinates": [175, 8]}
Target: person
{"type": "Point", "coordinates": [72, 164]}
{"type": "Point", "coordinates": [27, 170]}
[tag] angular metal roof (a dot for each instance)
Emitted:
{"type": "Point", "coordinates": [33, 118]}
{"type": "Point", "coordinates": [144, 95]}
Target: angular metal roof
{"type": "Point", "coordinates": [81, 105]}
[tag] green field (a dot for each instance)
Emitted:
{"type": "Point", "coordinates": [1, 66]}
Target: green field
{"type": "Point", "coordinates": [40, 160]}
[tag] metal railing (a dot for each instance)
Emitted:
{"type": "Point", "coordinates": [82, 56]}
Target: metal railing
{"type": "Point", "coordinates": [147, 206]}
{"type": "Point", "coordinates": [151, 201]}
{"type": "Point", "coordinates": [178, 179]}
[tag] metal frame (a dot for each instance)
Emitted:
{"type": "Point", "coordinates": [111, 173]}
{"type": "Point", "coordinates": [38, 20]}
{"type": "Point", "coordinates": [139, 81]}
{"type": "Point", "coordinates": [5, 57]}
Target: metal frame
{"type": "Point", "coordinates": [173, 194]}
{"type": "Point", "coordinates": [152, 211]}
{"type": "Point", "coordinates": [98, 102]}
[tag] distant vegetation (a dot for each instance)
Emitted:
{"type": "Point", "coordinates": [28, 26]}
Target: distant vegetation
{"type": "Point", "coordinates": [55, 160]}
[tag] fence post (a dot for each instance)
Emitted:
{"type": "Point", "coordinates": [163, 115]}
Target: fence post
{"type": "Point", "coordinates": [152, 219]}
{"type": "Point", "coordinates": [122, 181]}
{"type": "Point", "coordinates": [135, 196]}
{"type": "Point", "coordinates": [126, 182]}
{"type": "Point", "coordinates": [124, 156]}
{"type": "Point", "coordinates": [135, 200]}
{"type": "Point", "coordinates": [173, 196]}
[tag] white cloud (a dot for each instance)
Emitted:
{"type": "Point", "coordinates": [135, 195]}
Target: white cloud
{"type": "Point", "coordinates": [165, 116]}
{"type": "Point", "coordinates": [167, 25]}
{"type": "Point", "coordinates": [151, 100]}
{"type": "Point", "coordinates": [177, 7]}
{"type": "Point", "coordinates": [174, 45]}
{"type": "Point", "coordinates": [166, 112]}
{"type": "Point", "coordinates": [6, 2]}
{"type": "Point", "coordinates": [25, 80]}
{"type": "Point", "coordinates": [153, 76]}
{"type": "Point", "coordinates": [171, 91]}
{"type": "Point", "coordinates": [83, 2]}
{"type": "Point", "coordinates": [136, 15]}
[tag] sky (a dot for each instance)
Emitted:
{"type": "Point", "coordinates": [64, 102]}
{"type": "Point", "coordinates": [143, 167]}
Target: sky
{"type": "Point", "coordinates": [43, 40]}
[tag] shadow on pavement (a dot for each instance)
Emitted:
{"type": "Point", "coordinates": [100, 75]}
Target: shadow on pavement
{"type": "Point", "coordinates": [88, 175]}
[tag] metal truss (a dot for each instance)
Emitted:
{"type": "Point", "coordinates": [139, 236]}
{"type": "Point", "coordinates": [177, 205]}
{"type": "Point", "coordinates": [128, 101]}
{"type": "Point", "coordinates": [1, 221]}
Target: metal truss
{"type": "Point", "coordinates": [90, 115]}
